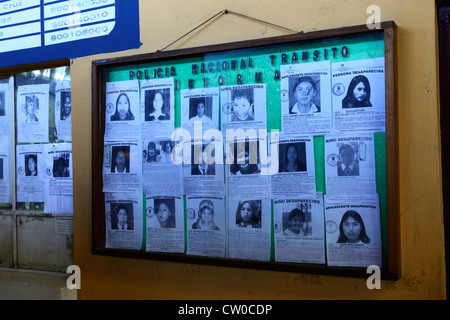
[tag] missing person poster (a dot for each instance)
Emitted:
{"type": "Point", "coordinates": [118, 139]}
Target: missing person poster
{"type": "Point", "coordinates": [122, 118]}
{"type": "Point", "coordinates": [122, 166]}
{"type": "Point", "coordinates": [30, 164]}
{"type": "Point", "coordinates": [200, 108]}
{"type": "Point", "coordinates": [205, 218]}
{"type": "Point", "coordinates": [359, 95]}
{"type": "Point", "coordinates": [306, 98]}
{"type": "Point", "coordinates": [243, 107]}
{"type": "Point", "coordinates": [244, 164]}
{"type": "Point", "coordinates": [249, 225]}
{"type": "Point", "coordinates": [165, 224]}
{"type": "Point", "coordinates": [203, 167]}
{"type": "Point", "coordinates": [157, 107]}
{"type": "Point", "coordinates": [32, 113]}
{"type": "Point", "coordinates": [296, 171]}
{"type": "Point", "coordinates": [58, 187]}
{"type": "Point", "coordinates": [160, 175]}
{"type": "Point", "coordinates": [298, 229]}
{"type": "Point", "coordinates": [353, 231]}
{"type": "Point", "coordinates": [350, 164]}
{"type": "Point", "coordinates": [63, 110]}
{"type": "Point", "coordinates": [124, 220]}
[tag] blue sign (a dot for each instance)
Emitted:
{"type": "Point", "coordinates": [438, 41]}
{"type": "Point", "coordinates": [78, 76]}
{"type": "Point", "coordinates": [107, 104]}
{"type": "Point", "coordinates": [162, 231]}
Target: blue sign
{"type": "Point", "coordinates": [43, 30]}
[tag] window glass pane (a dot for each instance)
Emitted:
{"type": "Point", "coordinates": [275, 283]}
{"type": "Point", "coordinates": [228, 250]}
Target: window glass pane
{"type": "Point", "coordinates": [40, 122]}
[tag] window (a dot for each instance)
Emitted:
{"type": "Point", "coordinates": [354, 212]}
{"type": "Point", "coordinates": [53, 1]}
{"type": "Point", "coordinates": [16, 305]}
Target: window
{"type": "Point", "coordinates": [36, 205]}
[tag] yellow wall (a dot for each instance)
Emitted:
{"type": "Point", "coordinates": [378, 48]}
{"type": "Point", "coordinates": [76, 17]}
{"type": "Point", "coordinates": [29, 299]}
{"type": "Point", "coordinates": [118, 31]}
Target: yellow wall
{"type": "Point", "coordinates": [422, 256]}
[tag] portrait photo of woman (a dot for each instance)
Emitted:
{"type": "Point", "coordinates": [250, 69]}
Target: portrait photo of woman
{"type": "Point", "coordinates": [165, 212]}
{"type": "Point", "coordinates": [248, 214]}
{"type": "Point", "coordinates": [157, 105]}
{"type": "Point", "coordinates": [31, 165]}
{"type": "Point", "coordinates": [32, 107]}
{"type": "Point", "coordinates": [352, 229]}
{"type": "Point", "coordinates": [292, 157]}
{"type": "Point", "coordinates": [123, 109]}
{"type": "Point", "coordinates": [358, 93]}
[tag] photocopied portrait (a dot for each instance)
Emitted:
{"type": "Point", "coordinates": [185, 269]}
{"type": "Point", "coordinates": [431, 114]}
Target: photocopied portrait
{"type": "Point", "coordinates": [120, 159]}
{"type": "Point", "coordinates": [358, 93]}
{"type": "Point", "coordinates": [304, 95]}
{"type": "Point", "coordinates": [165, 212]}
{"type": "Point", "coordinates": [123, 109]}
{"type": "Point", "coordinates": [157, 105]}
{"type": "Point", "coordinates": [66, 110]}
{"type": "Point", "coordinates": [348, 164]}
{"type": "Point", "coordinates": [31, 165]}
{"type": "Point", "coordinates": [292, 157]}
{"type": "Point", "coordinates": [352, 228]}
{"type": "Point", "coordinates": [246, 158]}
{"type": "Point", "coordinates": [122, 216]}
{"type": "Point", "coordinates": [61, 166]}
{"type": "Point", "coordinates": [248, 214]}
{"type": "Point", "coordinates": [200, 109]}
{"type": "Point", "coordinates": [31, 108]}
{"type": "Point", "coordinates": [243, 106]}
{"type": "Point", "coordinates": [202, 164]}
{"type": "Point", "coordinates": [205, 219]}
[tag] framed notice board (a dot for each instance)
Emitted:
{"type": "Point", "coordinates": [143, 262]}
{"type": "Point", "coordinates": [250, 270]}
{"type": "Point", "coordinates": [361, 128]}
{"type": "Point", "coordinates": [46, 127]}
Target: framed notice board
{"type": "Point", "coordinates": [276, 153]}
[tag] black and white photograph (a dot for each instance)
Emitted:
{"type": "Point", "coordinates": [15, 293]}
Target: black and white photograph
{"type": "Point", "coordinates": [348, 160]}
{"type": "Point", "coordinates": [157, 104]}
{"type": "Point", "coordinates": [245, 158]}
{"type": "Point", "coordinates": [31, 108]}
{"type": "Point", "coordinates": [122, 216]}
{"type": "Point", "coordinates": [165, 212]}
{"type": "Point", "coordinates": [120, 160]}
{"type": "Point", "coordinates": [358, 93]}
{"type": "Point", "coordinates": [292, 157]}
{"type": "Point", "coordinates": [200, 109]}
{"type": "Point", "coordinates": [248, 214]}
{"type": "Point", "coordinates": [61, 166]}
{"type": "Point", "coordinates": [203, 162]}
{"type": "Point", "coordinates": [66, 106]}
{"type": "Point", "coordinates": [305, 96]}
{"type": "Point", "coordinates": [31, 165]}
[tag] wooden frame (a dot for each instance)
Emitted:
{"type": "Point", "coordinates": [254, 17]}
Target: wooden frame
{"type": "Point", "coordinates": [391, 265]}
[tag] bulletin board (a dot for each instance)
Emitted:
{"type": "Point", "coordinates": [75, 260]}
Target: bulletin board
{"type": "Point", "coordinates": [203, 84]}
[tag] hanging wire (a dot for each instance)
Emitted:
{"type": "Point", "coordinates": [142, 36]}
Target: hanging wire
{"type": "Point", "coordinates": [219, 14]}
